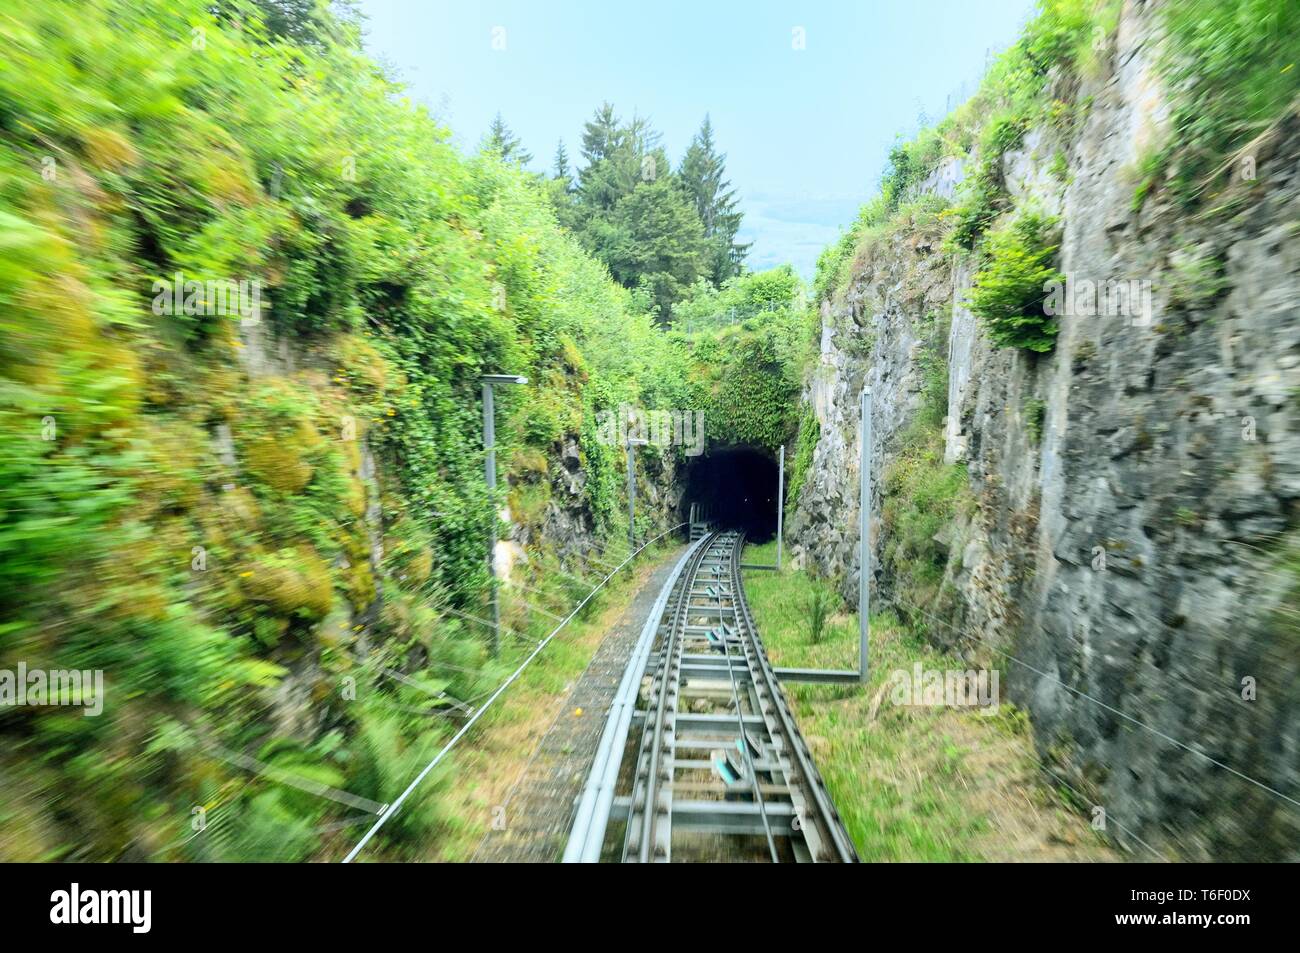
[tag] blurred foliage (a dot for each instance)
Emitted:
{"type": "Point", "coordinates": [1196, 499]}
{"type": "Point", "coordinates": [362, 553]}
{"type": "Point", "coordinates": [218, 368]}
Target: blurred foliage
{"type": "Point", "coordinates": [248, 525]}
{"type": "Point", "coordinates": [1010, 288]}
{"type": "Point", "coordinates": [1230, 66]}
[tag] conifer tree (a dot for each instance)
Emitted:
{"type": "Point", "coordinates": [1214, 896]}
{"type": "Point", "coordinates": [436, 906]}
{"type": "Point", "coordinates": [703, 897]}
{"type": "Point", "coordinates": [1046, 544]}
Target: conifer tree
{"type": "Point", "coordinates": [504, 144]}
{"type": "Point", "coordinates": [703, 176]}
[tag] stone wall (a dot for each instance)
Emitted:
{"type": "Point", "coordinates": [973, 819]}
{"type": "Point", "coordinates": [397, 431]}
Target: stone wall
{"type": "Point", "coordinates": [1137, 489]}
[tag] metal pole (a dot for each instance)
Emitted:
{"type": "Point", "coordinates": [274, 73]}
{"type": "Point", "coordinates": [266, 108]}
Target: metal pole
{"type": "Point", "coordinates": [631, 498]}
{"type": "Point", "coordinates": [864, 540]}
{"type": "Point", "coordinates": [490, 471]}
{"type": "Point", "coordinates": [780, 507]}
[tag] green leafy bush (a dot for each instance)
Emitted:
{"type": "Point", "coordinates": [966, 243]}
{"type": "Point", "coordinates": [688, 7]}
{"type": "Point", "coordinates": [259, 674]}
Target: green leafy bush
{"type": "Point", "coordinates": [983, 201]}
{"type": "Point", "coordinates": [1010, 287]}
{"type": "Point", "coordinates": [810, 431]}
{"type": "Point", "coordinates": [1231, 69]}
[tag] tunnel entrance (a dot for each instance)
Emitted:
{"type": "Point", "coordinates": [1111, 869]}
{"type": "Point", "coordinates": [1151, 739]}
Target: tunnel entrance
{"type": "Point", "coordinates": [735, 488]}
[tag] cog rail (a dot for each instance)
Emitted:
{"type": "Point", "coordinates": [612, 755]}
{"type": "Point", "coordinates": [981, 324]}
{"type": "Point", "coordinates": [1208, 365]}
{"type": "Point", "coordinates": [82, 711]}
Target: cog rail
{"type": "Point", "coordinates": [701, 759]}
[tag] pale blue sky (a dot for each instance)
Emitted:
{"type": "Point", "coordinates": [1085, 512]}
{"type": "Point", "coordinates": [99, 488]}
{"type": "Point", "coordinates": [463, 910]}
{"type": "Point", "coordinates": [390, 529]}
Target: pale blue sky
{"type": "Point", "coordinates": [806, 131]}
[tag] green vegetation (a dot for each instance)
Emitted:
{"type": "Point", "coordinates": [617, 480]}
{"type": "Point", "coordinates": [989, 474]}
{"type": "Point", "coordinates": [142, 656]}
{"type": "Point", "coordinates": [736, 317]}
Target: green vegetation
{"type": "Point", "coordinates": [505, 145]}
{"type": "Point", "coordinates": [749, 394]}
{"type": "Point", "coordinates": [1196, 277]}
{"type": "Point", "coordinates": [764, 295]}
{"type": "Point", "coordinates": [984, 200]}
{"type": "Point", "coordinates": [910, 163]}
{"type": "Point", "coordinates": [1061, 44]}
{"type": "Point", "coordinates": [1230, 66]}
{"type": "Point", "coordinates": [810, 431]}
{"type": "Point", "coordinates": [835, 260]}
{"type": "Point", "coordinates": [1011, 286]}
{"type": "Point", "coordinates": [910, 783]}
{"type": "Point", "coordinates": [249, 521]}
{"type": "Point", "coordinates": [922, 217]}
{"type": "Point", "coordinates": [1230, 69]}
{"type": "Point", "coordinates": [659, 229]}
{"type": "Point", "coordinates": [923, 496]}
{"type": "Point", "coordinates": [1035, 412]}
{"type": "Point", "coordinates": [206, 504]}
{"type": "Point", "coordinates": [818, 608]}
{"type": "Point", "coordinates": [750, 345]}
{"type": "Point", "coordinates": [1062, 40]}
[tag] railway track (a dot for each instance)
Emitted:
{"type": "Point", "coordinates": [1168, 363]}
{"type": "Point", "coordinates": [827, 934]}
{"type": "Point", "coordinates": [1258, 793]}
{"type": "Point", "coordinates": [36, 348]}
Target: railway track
{"type": "Point", "coordinates": [700, 758]}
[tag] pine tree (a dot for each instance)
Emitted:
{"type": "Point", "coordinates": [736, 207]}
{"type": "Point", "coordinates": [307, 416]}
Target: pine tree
{"type": "Point", "coordinates": [561, 162]}
{"type": "Point", "coordinates": [504, 144]}
{"type": "Point", "coordinates": [600, 135]}
{"type": "Point", "coordinates": [654, 240]}
{"type": "Point", "coordinates": [630, 210]}
{"type": "Point", "coordinates": [605, 146]}
{"type": "Point", "coordinates": [702, 174]}
{"type": "Point", "coordinates": [560, 190]}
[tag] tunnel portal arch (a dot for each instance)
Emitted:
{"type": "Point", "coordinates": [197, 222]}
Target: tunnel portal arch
{"type": "Point", "coordinates": [736, 486]}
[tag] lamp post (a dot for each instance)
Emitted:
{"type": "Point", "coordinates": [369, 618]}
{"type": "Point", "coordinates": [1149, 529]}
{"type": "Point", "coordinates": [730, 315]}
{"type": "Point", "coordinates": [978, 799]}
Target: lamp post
{"type": "Point", "coordinates": [490, 471]}
{"type": "Point", "coordinates": [864, 540]}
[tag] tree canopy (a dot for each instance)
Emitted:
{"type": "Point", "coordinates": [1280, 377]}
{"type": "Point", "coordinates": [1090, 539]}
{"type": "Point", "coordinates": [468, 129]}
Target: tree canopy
{"type": "Point", "coordinates": [658, 228]}
{"type": "Point", "coordinates": [501, 142]}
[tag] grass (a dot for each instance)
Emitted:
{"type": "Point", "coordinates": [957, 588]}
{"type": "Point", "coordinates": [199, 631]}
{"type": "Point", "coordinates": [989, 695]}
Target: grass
{"type": "Point", "coordinates": [818, 607]}
{"type": "Point", "coordinates": [1231, 67]}
{"type": "Point", "coordinates": [911, 784]}
{"type": "Point", "coordinates": [503, 741]}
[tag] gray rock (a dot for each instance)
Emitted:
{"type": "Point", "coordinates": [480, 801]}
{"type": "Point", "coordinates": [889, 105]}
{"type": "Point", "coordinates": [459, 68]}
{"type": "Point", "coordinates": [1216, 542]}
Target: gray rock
{"type": "Point", "coordinates": [1144, 452]}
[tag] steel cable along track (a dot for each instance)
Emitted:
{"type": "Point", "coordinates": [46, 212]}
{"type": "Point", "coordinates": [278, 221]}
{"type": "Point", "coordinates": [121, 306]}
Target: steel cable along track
{"type": "Point", "coordinates": [701, 758]}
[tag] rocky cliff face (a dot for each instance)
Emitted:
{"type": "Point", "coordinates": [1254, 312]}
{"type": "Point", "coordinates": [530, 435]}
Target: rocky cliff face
{"type": "Point", "coordinates": [1129, 559]}
{"type": "Point", "coordinates": [567, 527]}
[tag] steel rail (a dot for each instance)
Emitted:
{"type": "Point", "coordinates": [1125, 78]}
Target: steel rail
{"type": "Point", "coordinates": [655, 735]}
{"type": "Point", "coordinates": [701, 611]}
{"type": "Point", "coordinates": [740, 719]}
{"type": "Point", "coordinates": [393, 807]}
{"type": "Point", "coordinates": [592, 814]}
{"type": "Point", "coordinates": [826, 817]}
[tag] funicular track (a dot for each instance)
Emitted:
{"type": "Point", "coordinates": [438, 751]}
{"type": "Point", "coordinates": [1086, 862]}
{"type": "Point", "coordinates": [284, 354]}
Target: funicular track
{"type": "Point", "coordinates": [701, 758]}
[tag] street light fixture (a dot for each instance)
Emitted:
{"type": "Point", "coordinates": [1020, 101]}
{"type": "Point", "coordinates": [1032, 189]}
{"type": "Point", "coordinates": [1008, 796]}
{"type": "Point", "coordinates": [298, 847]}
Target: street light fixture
{"type": "Point", "coordinates": [490, 471]}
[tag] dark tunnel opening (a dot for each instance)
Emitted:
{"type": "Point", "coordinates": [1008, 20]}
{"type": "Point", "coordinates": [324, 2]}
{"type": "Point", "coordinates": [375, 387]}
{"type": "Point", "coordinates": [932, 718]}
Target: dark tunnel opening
{"type": "Point", "coordinates": [736, 489]}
